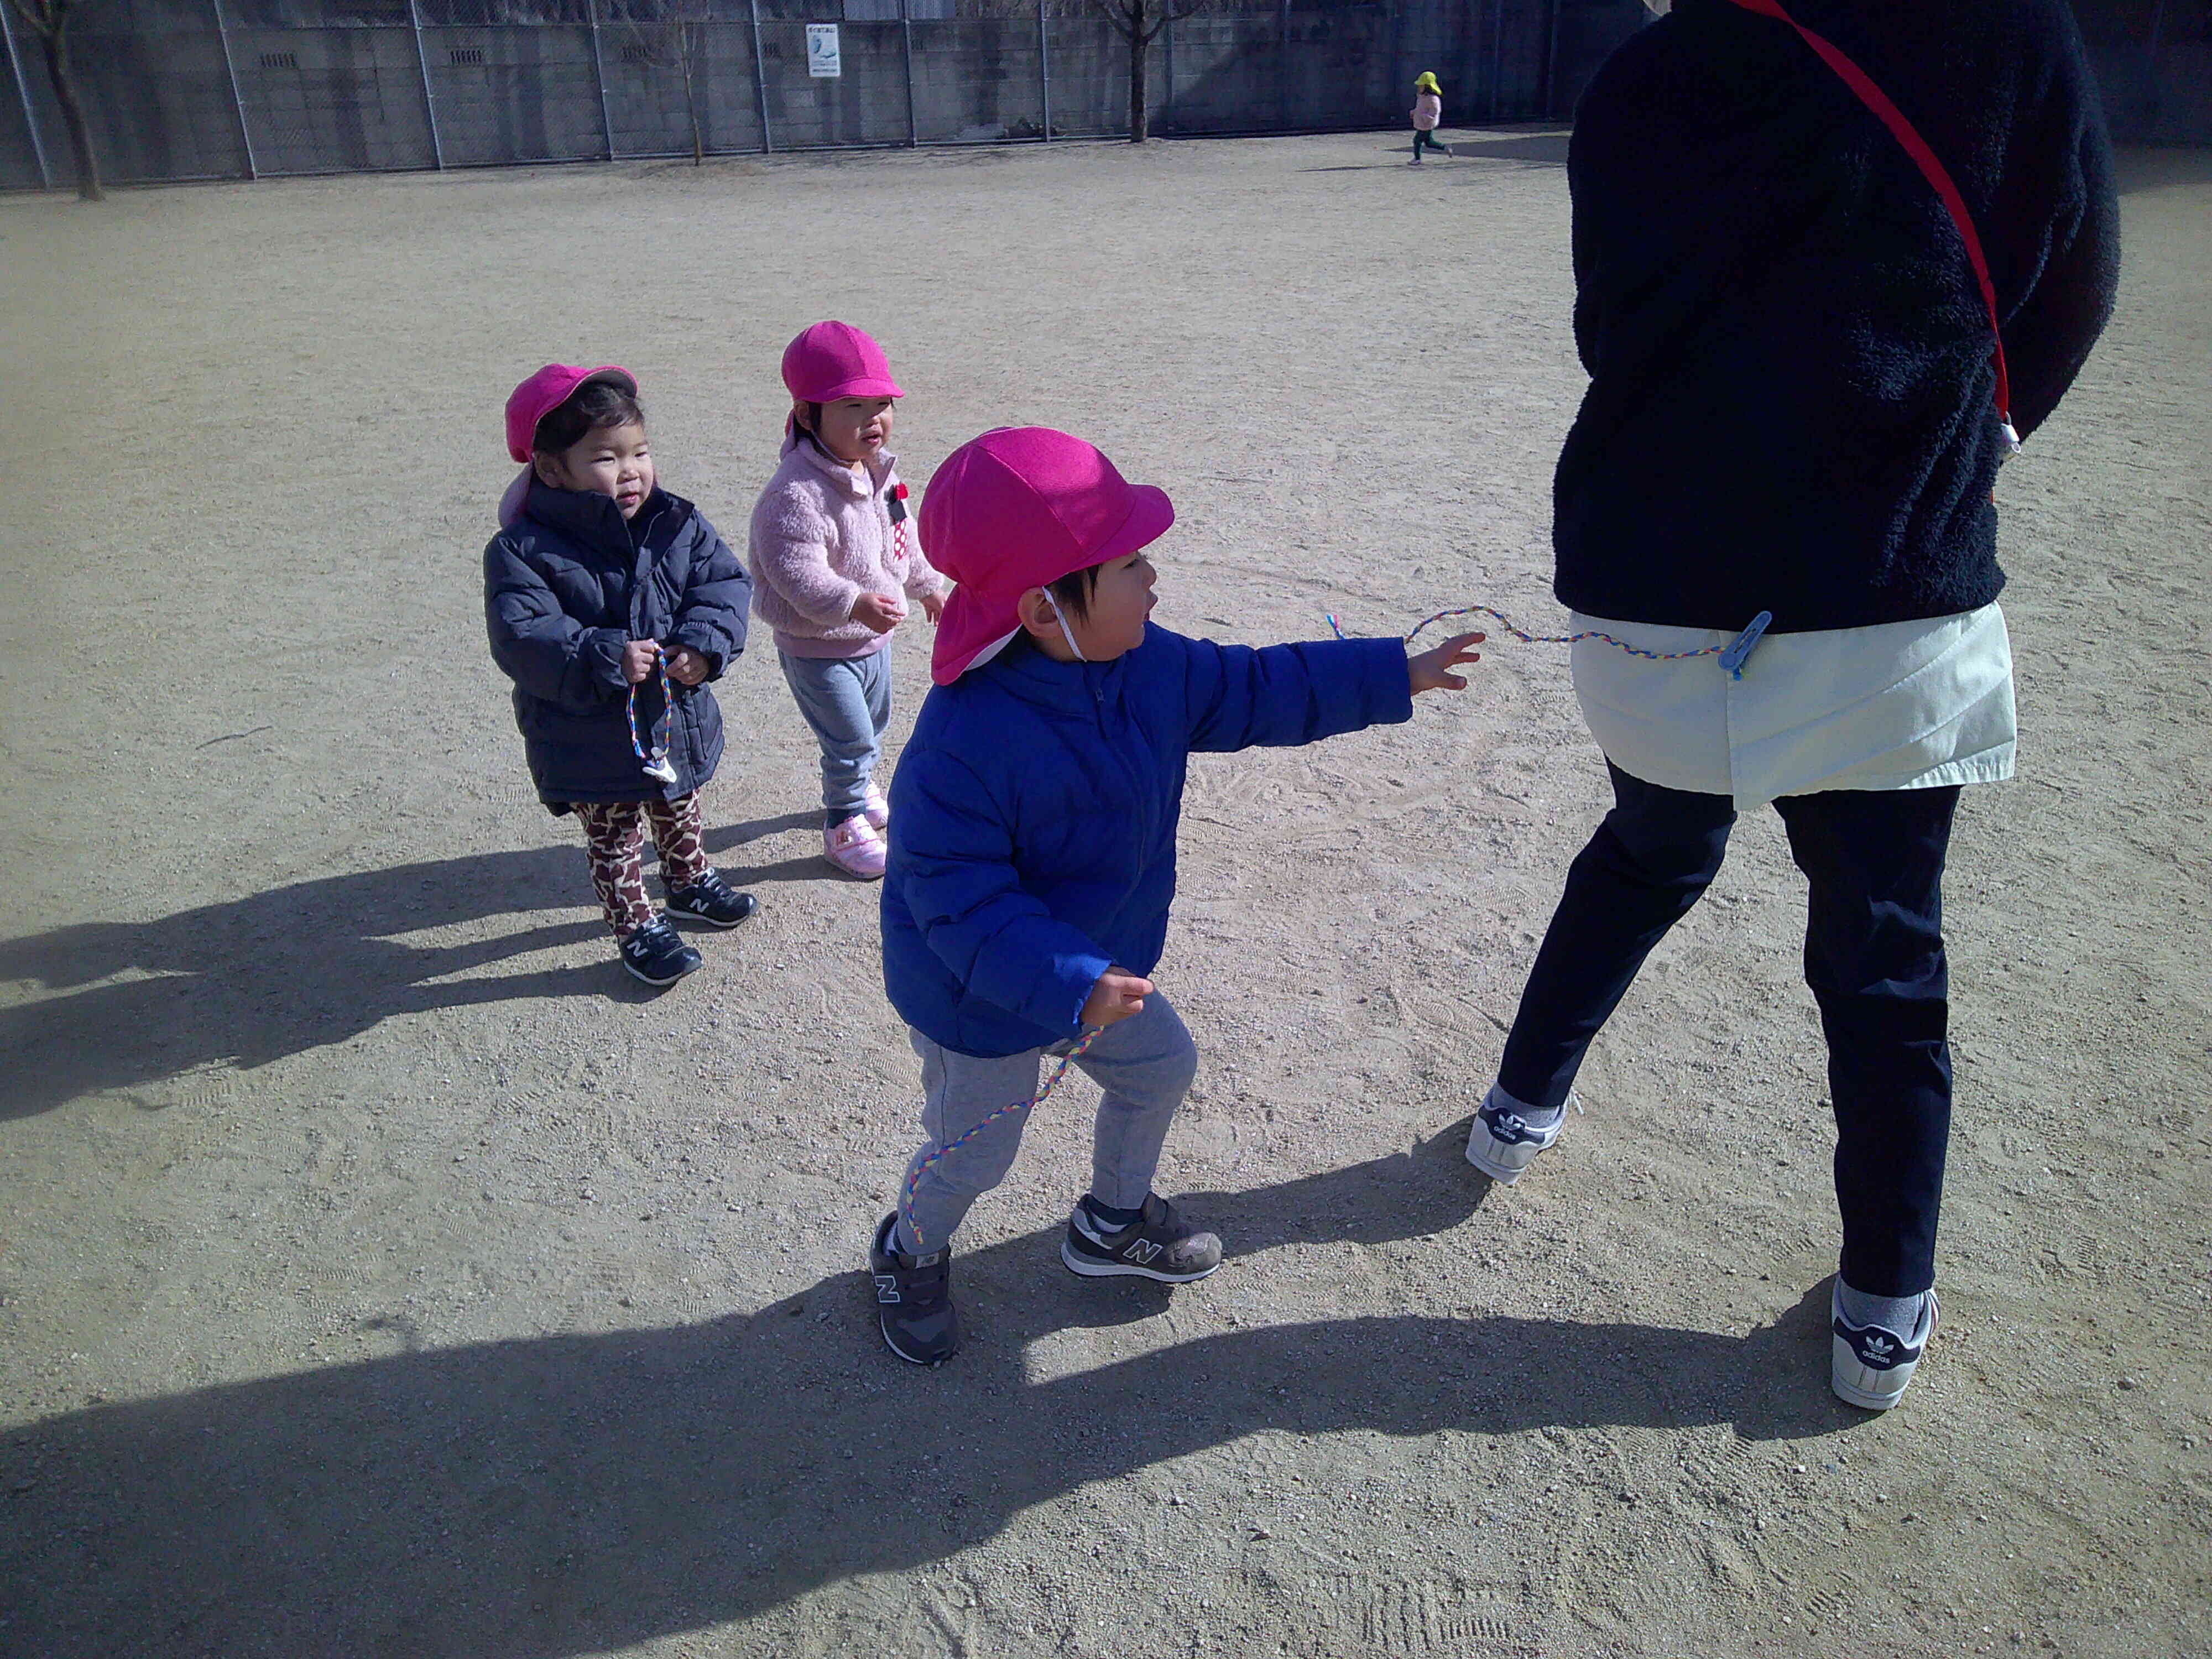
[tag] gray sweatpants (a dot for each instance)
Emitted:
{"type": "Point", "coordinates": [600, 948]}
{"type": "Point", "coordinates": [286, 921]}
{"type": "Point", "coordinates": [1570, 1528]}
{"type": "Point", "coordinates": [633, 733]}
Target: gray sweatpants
{"type": "Point", "coordinates": [848, 703]}
{"type": "Point", "coordinates": [1144, 1064]}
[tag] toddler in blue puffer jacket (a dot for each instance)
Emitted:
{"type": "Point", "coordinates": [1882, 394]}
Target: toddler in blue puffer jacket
{"type": "Point", "coordinates": [611, 605]}
{"type": "Point", "coordinates": [1033, 846]}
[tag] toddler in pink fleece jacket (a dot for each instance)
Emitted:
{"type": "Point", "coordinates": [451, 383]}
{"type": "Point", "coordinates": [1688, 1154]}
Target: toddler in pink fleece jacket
{"type": "Point", "coordinates": [835, 559]}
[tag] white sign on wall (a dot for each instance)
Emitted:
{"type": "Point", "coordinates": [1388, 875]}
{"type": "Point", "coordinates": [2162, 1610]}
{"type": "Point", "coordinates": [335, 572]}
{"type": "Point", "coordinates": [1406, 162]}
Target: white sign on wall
{"type": "Point", "coordinates": [822, 60]}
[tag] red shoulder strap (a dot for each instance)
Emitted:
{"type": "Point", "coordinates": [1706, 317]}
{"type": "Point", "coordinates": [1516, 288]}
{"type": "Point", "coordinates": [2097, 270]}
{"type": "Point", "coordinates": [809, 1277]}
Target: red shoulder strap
{"type": "Point", "coordinates": [1916, 147]}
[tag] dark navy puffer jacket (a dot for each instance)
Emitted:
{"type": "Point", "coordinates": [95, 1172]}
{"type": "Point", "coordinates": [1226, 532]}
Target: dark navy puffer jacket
{"type": "Point", "coordinates": [1034, 816]}
{"type": "Point", "coordinates": [566, 587]}
{"type": "Point", "coordinates": [1790, 404]}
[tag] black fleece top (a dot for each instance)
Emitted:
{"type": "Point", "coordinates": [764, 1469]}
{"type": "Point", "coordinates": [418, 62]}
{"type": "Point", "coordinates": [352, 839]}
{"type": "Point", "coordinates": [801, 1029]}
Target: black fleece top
{"type": "Point", "coordinates": [1791, 399]}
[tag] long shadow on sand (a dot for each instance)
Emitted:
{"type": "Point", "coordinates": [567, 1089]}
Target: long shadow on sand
{"type": "Point", "coordinates": [566, 1494]}
{"type": "Point", "coordinates": [298, 967]}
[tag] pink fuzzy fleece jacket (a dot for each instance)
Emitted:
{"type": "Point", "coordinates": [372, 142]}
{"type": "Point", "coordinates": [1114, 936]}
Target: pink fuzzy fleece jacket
{"type": "Point", "coordinates": [822, 536]}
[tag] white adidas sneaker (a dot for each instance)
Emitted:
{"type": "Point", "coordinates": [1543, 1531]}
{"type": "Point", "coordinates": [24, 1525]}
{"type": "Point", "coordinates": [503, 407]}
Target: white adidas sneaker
{"type": "Point", "coordinates": [1869, 1365]}
{"type": "Point", "coordinates": [1502, 1142]}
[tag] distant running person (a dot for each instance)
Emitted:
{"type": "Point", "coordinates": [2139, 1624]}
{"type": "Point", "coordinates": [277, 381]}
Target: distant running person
{"type": "Point", "coordinates": [1797, 407]}
{"type": "Point", "coordinates": [1428, 114]}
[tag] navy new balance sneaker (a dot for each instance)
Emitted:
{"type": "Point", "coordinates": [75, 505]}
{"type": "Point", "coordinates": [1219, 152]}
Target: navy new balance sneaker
{"type": "Point", "coordinates": [1503, 1142]}
{"type": "Point", "coordinates": [1159, 1244]}
{"type": "Point", "coordinates": [656, 955]}
{"type": "Point", "coordinates": [712, 899]}
{"type": "Point", "coordinates": [1869, 1365]}
{"type": "Point", "coordinates": [913, 1298]}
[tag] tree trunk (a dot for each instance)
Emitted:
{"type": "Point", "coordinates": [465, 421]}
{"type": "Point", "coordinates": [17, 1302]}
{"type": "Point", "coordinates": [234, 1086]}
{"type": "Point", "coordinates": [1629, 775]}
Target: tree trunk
{"type": "Point", "coordinates": [80, 136]}
{"type": "Point", "coordinates": [1139, 46]}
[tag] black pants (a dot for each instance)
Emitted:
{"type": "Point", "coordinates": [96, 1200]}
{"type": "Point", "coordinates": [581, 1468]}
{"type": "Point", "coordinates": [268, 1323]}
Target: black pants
{"type": "Point", "coordinates": [1874, 958]}
{"type": "Point", "coordinates": [1422, 134]}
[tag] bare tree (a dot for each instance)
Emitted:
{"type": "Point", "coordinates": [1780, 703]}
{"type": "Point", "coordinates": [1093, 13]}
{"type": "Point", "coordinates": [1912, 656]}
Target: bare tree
{"type": "Point", "coordinates": [49, 21]}
{"type": "Point", "coordinates": [1140, 23]}
{"type": "Point", "coordinates": [675, 38]}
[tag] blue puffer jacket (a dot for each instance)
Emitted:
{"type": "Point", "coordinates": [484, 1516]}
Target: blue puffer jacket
{"type": "Point", "coordinates": [1034, 812]}
{"type": "Point", "coordinates": [566, 587]}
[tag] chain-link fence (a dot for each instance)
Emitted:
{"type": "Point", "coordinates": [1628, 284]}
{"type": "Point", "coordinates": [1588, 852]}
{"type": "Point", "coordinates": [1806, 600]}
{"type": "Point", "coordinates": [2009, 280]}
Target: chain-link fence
{"type": "Point", "coordinates": [180, 89]}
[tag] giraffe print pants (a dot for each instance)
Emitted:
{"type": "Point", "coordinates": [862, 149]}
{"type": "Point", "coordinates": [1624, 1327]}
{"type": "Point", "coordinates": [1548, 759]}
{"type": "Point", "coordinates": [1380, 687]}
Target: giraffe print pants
{"type": "Point", "coordinates": [613, 839]}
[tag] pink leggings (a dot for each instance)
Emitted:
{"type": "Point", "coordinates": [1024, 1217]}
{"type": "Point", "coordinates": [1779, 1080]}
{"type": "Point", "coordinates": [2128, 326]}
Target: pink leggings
{"type": "Point", "coordinates": [613, 841]}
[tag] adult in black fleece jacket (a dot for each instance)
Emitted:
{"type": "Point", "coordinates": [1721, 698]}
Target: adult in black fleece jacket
{"type": "Point", "coordinates": [1790, 406]}
{"type": "Point", "coordinates": [1791, 410]}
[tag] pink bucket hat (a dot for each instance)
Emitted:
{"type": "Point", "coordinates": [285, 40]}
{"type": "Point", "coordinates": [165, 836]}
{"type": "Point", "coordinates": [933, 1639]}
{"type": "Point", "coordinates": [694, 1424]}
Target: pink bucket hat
{"type": "Point", "coordinates": [546, 392]}
{"type": "Point", "coordinates": [1017, 508]}
{"type": "Point", "coordinates": [836, 360]}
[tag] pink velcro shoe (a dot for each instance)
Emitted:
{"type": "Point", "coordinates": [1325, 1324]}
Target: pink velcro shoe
{"type": "Point", "coordinates": [877, 811]}
{"type": "Point", "coordinates": [855, 847]}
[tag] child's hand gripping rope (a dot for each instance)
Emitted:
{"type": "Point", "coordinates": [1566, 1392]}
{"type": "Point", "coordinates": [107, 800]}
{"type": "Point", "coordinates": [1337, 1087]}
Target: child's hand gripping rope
{"type": "Point", "coordinates": [1732, 655]}
{"type": "Point", "coordinates": [640, 659]}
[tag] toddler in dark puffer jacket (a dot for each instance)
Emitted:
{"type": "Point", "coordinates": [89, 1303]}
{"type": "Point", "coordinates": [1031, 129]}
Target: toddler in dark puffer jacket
{"type": "Point", "coordinates": [611, 605]}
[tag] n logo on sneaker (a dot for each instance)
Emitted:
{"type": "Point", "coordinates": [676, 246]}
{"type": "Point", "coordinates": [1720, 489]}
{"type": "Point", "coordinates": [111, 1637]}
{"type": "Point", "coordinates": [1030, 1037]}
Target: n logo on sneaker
{"type": "Point", "coordinates": [887, 1287]}
{"type": "Point", "coordinates": [1142, 1250]}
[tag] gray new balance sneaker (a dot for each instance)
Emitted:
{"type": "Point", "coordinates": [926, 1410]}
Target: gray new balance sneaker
{"type": "Point", "coordinates": [1869, 1365]}
{"type": "Point", "coordinates": [1502, 1142]}
{"type": "Point", "coordinates": [1159, 1245]}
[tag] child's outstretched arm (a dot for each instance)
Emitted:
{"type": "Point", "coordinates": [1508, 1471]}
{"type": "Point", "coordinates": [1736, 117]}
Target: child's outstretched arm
{"type": "Point", "coordinates": [546, 651]}
{"type": "Point", "coordinates": [710, 613]}
{"type": "Point", "coordinates": [955, 870]}
{"type": "Point", "coordinates": [1284, 694]}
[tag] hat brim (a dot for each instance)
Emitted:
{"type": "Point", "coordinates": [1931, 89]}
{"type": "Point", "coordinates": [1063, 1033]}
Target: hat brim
{"type": "Point", "coordinates": [865, 386]}
{"type": "Point", "coordinates": [1151, 514]}
{"type": "Point", "coordinates": [975, 627]}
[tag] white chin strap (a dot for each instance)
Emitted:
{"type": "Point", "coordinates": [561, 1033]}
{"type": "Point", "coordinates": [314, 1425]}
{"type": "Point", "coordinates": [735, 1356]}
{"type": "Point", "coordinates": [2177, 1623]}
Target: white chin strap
{"type": "Point", "coordinates": [1066, 632]}
{"type": "Point", "coordinates": [1658, 7]}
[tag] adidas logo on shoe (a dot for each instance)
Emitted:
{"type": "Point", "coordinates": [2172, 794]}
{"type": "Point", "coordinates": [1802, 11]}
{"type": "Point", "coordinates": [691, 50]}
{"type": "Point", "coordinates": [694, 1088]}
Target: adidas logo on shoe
{"type": "Point", "coordinates": [1502, 1142]}
{"type": "Point", "coordinates": [1870, 1365]}
{"type": "Point", "coordinates": [1511, 1129]}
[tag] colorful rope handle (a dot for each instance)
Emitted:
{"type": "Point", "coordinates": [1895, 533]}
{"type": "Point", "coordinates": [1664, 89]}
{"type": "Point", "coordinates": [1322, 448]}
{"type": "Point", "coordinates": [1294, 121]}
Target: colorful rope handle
{"type": "Point", "coordinates": [658, 755]}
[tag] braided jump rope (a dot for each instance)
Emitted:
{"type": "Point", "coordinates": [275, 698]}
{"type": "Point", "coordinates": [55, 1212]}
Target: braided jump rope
{"type": "Point", "coordinates": [921, 1169]}
{"type": "Point", "coordinates": [1732, 655]}
{"type": "Point", "coordinates": [656, 762]}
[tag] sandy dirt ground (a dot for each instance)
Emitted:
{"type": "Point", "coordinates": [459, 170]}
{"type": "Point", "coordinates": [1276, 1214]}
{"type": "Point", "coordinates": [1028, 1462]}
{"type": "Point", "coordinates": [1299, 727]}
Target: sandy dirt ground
{"type": "Point", "coordinates": [381, 1273]}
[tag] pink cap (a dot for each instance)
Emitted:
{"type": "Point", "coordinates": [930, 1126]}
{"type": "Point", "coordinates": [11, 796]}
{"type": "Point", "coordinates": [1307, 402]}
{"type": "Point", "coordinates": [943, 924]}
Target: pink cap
{"type": "Point", "coordinates": [836, 360]}
{"type": "Point", "coordinates": [1017, 508]}
{"type": "Point", "coordinates": [546, 392]}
